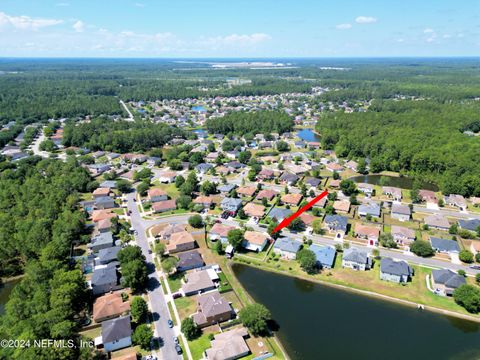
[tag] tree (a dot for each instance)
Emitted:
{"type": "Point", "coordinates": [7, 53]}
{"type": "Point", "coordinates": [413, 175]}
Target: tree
{"type": "Point", "coordinates": [386, 240]}
{"type": "Point", "coordinates": [142, 336]}
{"type": "Point", "coordinates": [139, 309]}
{"type": "Point", "coordinates": [318, 227]}
{"type": "Point", "coordinates": [422, 248]}
{"type": "Point", "coordinates": [477, 278]}
{"type": "Point", "coordinates": [195, 221]}
{"type": "Point", "coordinates": [271, 226]}
{"type": "Point", "coordinates": [282, 146]}
{"type": "Point", "coordinates": [219, 248]}
{"type": "Point", "coordinates": [123, 186]}
{"type": "Point", "coordinates": [307, 260]}
{"type": "Point", "coordinates": [466, 256]}
{"type": "Point", "coordinates": [144, 174]}
{"type": "Point", "coordinates": [336, 175]}
{"type": "Point", "coordinates": [362, 166]}
{"type": "Point", "coordinates": [169, 263]}
{"type": "Point", "coordinates": [244, 156]}
{"type": "Point", "coordinates": [183, 202]}
{"type": "Point", "coordinates": [453, 229]}
{"type": "Point", "coordinates": [47, 145]}
{"type": "Point", "coordinates": [255, 317]}
{"type": "Point", "coordinates": [235, 238]}
{"type": "Point", "coordinates": [179, 180]}
{"type": "Point", "coordinates": [134, 274]}
{"type": "Point", "coordinates": [208, 188]}
{"type": "Point", "coordinates": [468, 296]}
{"type": "Point", "coordinates": [190, 329]}
{"type": "Point", "coordinates": [160, 249]}
{"type": "Point", "coordinates": [297, 224]}
{"type": "Point", "coordinates": [477, 257]}
{"type": "Point", "coordinates": [329, 210]}
{"type": "Point", "coordinates": [348, 187]}
{"type": "Point", "coordinates": [142, 188]}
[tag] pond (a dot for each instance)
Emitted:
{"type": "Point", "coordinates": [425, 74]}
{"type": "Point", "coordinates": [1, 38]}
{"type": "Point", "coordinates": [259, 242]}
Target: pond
{"type": "Point", "coordinates": [321, 322]}
{"type": "Point", "coordinates": [199, 108]}
{"type": "Point", "coordinates": [308, 135]}
{"type": "Point", "coordinates": [396, 181]}
{"type": "Point", "coordinates": [201, 133]}
{"type": "Point", "coordinates": [5, 291]}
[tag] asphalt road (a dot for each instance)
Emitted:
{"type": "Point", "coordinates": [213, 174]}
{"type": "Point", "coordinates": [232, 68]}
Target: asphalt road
{"type": "Point", "coordinates": [157, 299]}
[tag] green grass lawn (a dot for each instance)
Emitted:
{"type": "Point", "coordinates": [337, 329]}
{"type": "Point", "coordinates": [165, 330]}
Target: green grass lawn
{"type": "Point", "coordinates": [224, 284]}
{"type": "Point", "coordinates": [175, 281]}
{"type": "Point", "coordinates": [185, 306]}
{"type": "Point", "coordinates": [198, 346]}
{"type": "Point", "coordinates": [172, 315]}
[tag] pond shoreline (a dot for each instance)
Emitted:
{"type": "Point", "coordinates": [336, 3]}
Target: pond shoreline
{"type": "Point", "coordinates": [363, 292]}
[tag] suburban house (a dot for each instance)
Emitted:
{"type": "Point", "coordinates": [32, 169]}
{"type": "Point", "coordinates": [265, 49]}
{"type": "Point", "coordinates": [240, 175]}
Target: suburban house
{"type": "Point", "coordinates": [334, 183]}
{"type": "Point", "coordinates": [212, 308]}
{"type": "Point", "coordinates": [370, 233]}
{"type": "Point", "coordinates": [109, 306]}
{"type": "Point", "coordinates": [101, 192]}
{"type": "Point", "coordinates": [204, 201]}
{"type": "Point", "coordinates": [367, 189]}
{"type": "Point", "coordinates": [107, 255]}
{"type": "Point", "coordinates": [288, 178]}
{"type": "Point", "coordinates": [116, 333]}
{"type": "Point", "coordinates": [231, 205]}
{"type": "Point", "coordinates": [266, 194]}
{"type": "Point", "coordinates": [228, 345]}
{"type": "Point", "coordinates": [307, 218]}
{"type": "Point", "coordinates": [393, 193]}
{"type": "Point", "coordinates": [101, 241]}
{"type": "Point", "coordinates": [199, 281]}
{"type": "Point", "coordinates": [167, 231]}
{"type": "Point", "coordinates": [427, 196]}
{"type": "Point", "coordinates": [287, 248]}
{"type": "Point", "coordinates": [291, 199]}
{"type": "Point", "coordinates": [163, 206]}
{"type": "Point", "coordinates": [436, 221]}
{"type": "Point", "coordinates": [444, 245]}
{"type": "Point", "coordinates": [180, 241]}
{"type": "Point", "coordinates": [325, 255]}
{"type": "Point", "coordinates": [266, 174]}
{"type": "Point", "coordinates": [246, 190]}
{"type": "Point", "coordinates": [105, 279]}
{"type": "Point", "coordinates": [353, 165]}
{"type": "Point", "coordinates": [372, 208]}
{"type": "Point", "coordinates": [226, 189]}
{"type": "Point", "coordinates": [342, 206]}
{"type": "Point", "coordinates": [203, 168]}
{"type": "Point", "coordinates": [336, 224]}
{"type": "Point", "coordinates": [356, 259]}
{"type": "Point", "coordinates": [403, 235]}
{"type": "Point", "coordinates": [220, 232]}
{"type": "Point", "coordinates": [104, 202]}
{"type": "Point", "coordinates": [470, 225]}
{"type": "Point", "coordinates": [254, 240]}
{"type": "Point", "coordinates": [445, 281]}
{"type": "Point", "coordinates": [254, 210]}
{"type": "Point", "coordinates": [279, 214]}
{"type": "Point", "coordinates": [103, 226]}
{"type": "Point", "coordinates": [189, 260]}
{"type": "Point", "coordinates": [456, 201]}
{"type": "Point", "coordinates": [312, 182]}
{"type": "Point", "coordinates": [400, 212]}
{"type": "Point", "coordinates": [395, 271]}
{"type": "Point", "coordinates": [167, 177]}
{"type": "Point", "coordinates": [334, 167]}
{"type": "Point", "coordinates": [156, 194]}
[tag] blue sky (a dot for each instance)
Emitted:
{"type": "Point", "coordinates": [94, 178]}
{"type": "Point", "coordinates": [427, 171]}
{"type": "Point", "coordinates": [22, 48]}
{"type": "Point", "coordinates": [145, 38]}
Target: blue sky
{"type": "Point", "coordinates": [243, 28]}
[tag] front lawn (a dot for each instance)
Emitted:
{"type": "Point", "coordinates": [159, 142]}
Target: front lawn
{"type": "Point", "coordinates": [199, 345]}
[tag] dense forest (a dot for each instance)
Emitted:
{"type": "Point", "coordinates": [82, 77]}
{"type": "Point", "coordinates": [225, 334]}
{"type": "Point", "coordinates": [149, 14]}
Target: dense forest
{"type": "Point", "coordinates": [421, 138]}
{"type": "Point", "coordinates": [39, 220]}
{"type": "Point", "coordinates": [119, 136]}
{"type": "Point", "coordinates": [259, 122]}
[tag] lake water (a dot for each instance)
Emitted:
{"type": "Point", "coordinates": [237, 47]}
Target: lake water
{"type": "Point", "coordinates": [320, 322]}
{"type": "Point", "coordinates": [5, 291]}
{"type": "Point", "coordinates": [396, 181]}
{"type": "Point", "coordinates": [308, 135]}
{"type": "Point", "coordinates": [199, 108]}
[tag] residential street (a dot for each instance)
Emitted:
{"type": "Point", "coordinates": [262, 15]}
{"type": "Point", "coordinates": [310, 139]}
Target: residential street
{"type": "Point", "coordinates": [155, 293]}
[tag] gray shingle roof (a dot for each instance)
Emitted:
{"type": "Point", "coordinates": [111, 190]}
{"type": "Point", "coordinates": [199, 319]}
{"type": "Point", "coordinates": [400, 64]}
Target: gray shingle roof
{"type": "Point", "coordinates": [325, 254]}
{"type": "Point", "coordinates": [448, 278]}
{"type": "Point", "coordinates": [106, 275]}
{"type": "Point", "coordinates": [190, 259]}
{"type": "Point", "coordinates": [444, 245]}
{"type": "Point", "coordinates": [116, 329]}
{"type": "Point", "coordinates": [337, 222]}
{"type": "Point", "coordinates": [287, 244]}
{"type": "Point", "coordinates": [356, 255]}
{"type": "Point", "coordinates": [471, 225]}
{"type": "Point", "coordinates": [400, 268]}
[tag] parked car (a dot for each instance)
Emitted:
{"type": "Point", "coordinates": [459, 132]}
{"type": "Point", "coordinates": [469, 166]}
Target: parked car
{"type": "Point", "coordinates": [177, 295]}
{"type": "Point", "coordinates": [170, 323]}
{"type": "Point", "coordinates": [476, 267]}
{"type": "Point", "coordinates": [178, 349]}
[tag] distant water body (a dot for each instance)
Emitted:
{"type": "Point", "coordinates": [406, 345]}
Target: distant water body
{"type": "Point", "coordinates": [321, 322]}
{"type": "Point", "coordinates": [308, 135]}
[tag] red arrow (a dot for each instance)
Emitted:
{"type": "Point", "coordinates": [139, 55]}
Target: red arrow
{"type": "Point", "coordinates": [287, 221]}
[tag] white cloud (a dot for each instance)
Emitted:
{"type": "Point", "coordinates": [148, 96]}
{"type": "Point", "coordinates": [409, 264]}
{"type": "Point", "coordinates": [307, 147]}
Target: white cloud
{"type": "Point", "coordinates": [428, 31]}
{"type": "Point", "coordinates": [237, 40]}
{"type": "Point", "coordinates": [79, 26]}
{"type": "Point", "coordinates": [365, 20]}
{"type": "Point", "coordinates": [25, 22]}
{"type": "Point", "coordinates": [344, 26]}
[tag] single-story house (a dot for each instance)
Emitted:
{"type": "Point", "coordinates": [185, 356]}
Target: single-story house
{"type": "Point", "coordinates": [470, 225]}
{"type": "Point", "coordinates": [325, 255]}
{"type": "Point", "coordinates": [101, 241]}
{"type": "Point", "coordinates": [254, 210]}
{"type": "Point", "coordinates": [231, 204]}
{"type": "Point", "coordinates": [157, 194]}
{"type": "Point", "coordinates": [205, 201]}
{"type": "Point", "coordinates": [167, 177]}
{"type": "Point", "coordinates": [288, 178]}
{"type": "Point", "coordinates": [108, 255]}
{"type": "Point", "coordinates": [180, 241]}
{"type": "Point", "coordinates": [287, 248]}
{"type": "Point", "coordinates": [427, 196]}
{"type": "Point", "coordinates": [403, 235]}
{"type": "Point", "coordinates": [220, 232]}
{"type": "Point", "coordinates": [266, 174]}
{"type": "Point", "coordinates": [199, 281]}
{"type": "Point", "coordinates": [254, 240]}
{"type": "Point", "coordinates": [401, 212]}
{"type": "Point", "coordinates": [334, 167]}
{"type": "Point", "coordinates": [445, 281]}
{"type": "Point", "coordinates": [457, 201]}
{"type": "Point", "coordinates": [367, 189]}
{"type": "Point", "coordinates": [393, 193]}
{"type": "Point", "coordinates": [203, 168]}
{"type": "Point", "coordinates": [342, 206]}
{"type": "Point", "coordinates": [437, 221]}
{"type": "Point", "coordinates": [246, 190]}
{"type": "Point", "coordinates": [279, 214]}
{"type": "Point", "coordinates": [444, 245]}
{"type": "Point", "coordinates": [266, 194]}
{"type": "Point", "coordinates": [356, 259]}
{"type": "Point", "coordinates": [101, 192]}
{"type": "Point", "coordinates": [372, 208]}
{"type": "Point", "coordinates": [291, 199]}
{"type": "Point", "coordinates": [395, 271]}
{"type": "Point", "coordinates": [312, 182]}
{"type": "Point", "coordinates": [336, 224]}
{"type": "Point", "coordinates": [351, 164]}
{"type": "Point", "coordinates": [226, 188]}
{"type": "Point", "coordinates": [228, 345]}
{"type": "Point", "coordinates": [163, 206]}
{"type": "Point", "coordinates": [104, 202]}
{"type": "Point", "coordinates": [370, 233]}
